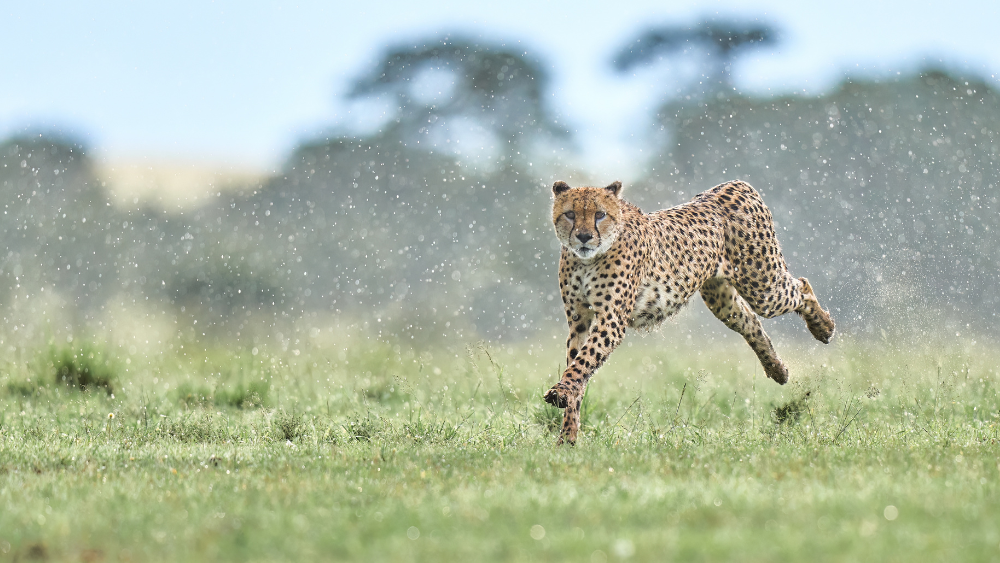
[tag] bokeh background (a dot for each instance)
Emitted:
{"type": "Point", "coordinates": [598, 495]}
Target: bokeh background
{"type": "Point", "coordinates": [268, 173]}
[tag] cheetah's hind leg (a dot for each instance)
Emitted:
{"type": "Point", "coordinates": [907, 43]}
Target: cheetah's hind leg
{"type": "Point", "coordinates": [729, 307]}
{"type": "Point", "coordinates": [818, 321]}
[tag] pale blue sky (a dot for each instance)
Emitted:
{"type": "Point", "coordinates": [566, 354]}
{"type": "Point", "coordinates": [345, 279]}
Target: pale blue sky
{"type": "Point", "coordinates": [241, 82]}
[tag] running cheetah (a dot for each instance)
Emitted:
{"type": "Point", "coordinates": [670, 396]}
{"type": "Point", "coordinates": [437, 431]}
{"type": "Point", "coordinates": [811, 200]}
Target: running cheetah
{"type": "Point", "coordinates": [622, 268]}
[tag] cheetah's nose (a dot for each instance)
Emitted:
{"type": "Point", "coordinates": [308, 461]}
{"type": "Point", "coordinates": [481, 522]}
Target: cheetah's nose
{"type": "Point", "coordinates": [584, 237]}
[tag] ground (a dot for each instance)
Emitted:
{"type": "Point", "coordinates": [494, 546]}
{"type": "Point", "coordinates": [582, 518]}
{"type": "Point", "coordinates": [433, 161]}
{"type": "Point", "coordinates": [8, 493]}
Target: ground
{"type": "Point", "coordinates": [376, 453]}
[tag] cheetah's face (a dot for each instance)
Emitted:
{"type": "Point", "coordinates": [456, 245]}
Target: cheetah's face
{"type": "Point", "coordinates": [587, 220]}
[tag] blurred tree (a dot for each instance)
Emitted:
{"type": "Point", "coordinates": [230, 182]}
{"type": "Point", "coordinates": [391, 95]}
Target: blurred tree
{"type": "Point", "coordinates": [60, 230]}
{"type": "Point", "coordinates": [442, 83]}
{"type": "Point", "coordinates": [719, 41]}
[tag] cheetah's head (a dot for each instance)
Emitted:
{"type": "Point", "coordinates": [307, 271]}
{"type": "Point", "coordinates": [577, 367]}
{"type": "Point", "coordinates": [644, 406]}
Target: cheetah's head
{"type": "Point", "coordinates": [587, 220]}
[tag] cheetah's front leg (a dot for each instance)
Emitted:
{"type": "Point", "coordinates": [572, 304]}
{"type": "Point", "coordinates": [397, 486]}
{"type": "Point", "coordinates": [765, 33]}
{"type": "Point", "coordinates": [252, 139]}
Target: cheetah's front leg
{"type": "Point", "coordinates": [580, 320]}
{"type": "Point", "coordinates": [603, 336]}
{"type": "Point", "coordinates": [579, 328]}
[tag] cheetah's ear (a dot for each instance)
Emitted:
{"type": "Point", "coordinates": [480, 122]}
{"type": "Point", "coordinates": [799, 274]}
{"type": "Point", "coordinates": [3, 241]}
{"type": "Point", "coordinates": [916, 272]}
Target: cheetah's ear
{"type": "Point", "coordinates": [559, 187]}
{"type": "Point", "coordinates": [615, 188]}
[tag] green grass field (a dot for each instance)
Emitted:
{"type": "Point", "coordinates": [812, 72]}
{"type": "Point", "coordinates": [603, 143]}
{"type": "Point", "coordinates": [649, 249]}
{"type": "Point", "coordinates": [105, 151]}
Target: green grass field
{"type": "Point", "coordinates": [362, 451]}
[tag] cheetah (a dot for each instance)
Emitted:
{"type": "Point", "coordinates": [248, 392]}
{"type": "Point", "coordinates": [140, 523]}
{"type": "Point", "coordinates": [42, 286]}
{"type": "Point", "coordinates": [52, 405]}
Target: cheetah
{"type": "Point", "coordinates": [622, 268]}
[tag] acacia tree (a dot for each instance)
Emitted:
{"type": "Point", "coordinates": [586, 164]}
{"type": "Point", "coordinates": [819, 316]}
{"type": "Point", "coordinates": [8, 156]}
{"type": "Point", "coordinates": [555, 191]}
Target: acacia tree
{"type": "Point", "coordinates": [718, 41]}
{"type": "Point", "coordinates": [494, 86]}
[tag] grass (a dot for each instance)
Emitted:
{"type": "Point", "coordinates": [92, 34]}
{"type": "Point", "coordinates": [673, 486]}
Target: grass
{"type": "Point", "coordinates": [372, 452]}
{"type": "Point", "coordinates": [84, 367]}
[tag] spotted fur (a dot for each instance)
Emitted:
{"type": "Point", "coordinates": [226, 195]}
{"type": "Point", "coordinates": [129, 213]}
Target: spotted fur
{"type": "Point", "coordinates": [621, 268]}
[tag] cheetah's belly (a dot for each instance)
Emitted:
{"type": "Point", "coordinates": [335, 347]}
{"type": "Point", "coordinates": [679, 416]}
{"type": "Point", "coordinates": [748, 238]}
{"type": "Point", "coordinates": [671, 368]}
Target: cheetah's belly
{"type": "Point", "coordinates": [655, 302]}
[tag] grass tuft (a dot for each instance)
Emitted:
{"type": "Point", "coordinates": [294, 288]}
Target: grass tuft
{"type": "Point", "coordinates": [243, 396]}
{"type": "Point", "coordinates": [22, 388]}
{"type": "Point", "coordinates": [290, 426]}
{"type": "Point", "coordinates": [194, 428]}
{"type": "Point", "coordinates": [790, 412]}
{"type": "Point", "coordinates": [364, 429]}
{"type": "Point", "coordinates": [84, 368]}
{"type": "Point", "coordinates": [191, 396]}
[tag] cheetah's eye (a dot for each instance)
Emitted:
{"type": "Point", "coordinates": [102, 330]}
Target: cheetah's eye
{"type": "Point", "coordinates": [599, 215]}
{"type": "Point", "coordinates": [570, 215]}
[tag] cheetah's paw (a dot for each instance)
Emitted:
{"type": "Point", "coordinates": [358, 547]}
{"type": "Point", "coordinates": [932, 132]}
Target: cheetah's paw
{"type": "Point", "coordinates": [557, 397]}
{"type": "Point", "coordinates": [778, 372]}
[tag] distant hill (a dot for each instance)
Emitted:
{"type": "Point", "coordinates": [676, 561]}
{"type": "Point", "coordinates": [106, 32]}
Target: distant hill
{"type": "Point", "coordinates": [171, 184]}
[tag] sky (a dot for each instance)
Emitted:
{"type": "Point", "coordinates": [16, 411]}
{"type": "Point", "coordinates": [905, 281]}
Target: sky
{"type": "Point", "coordinates": [238, 83]}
